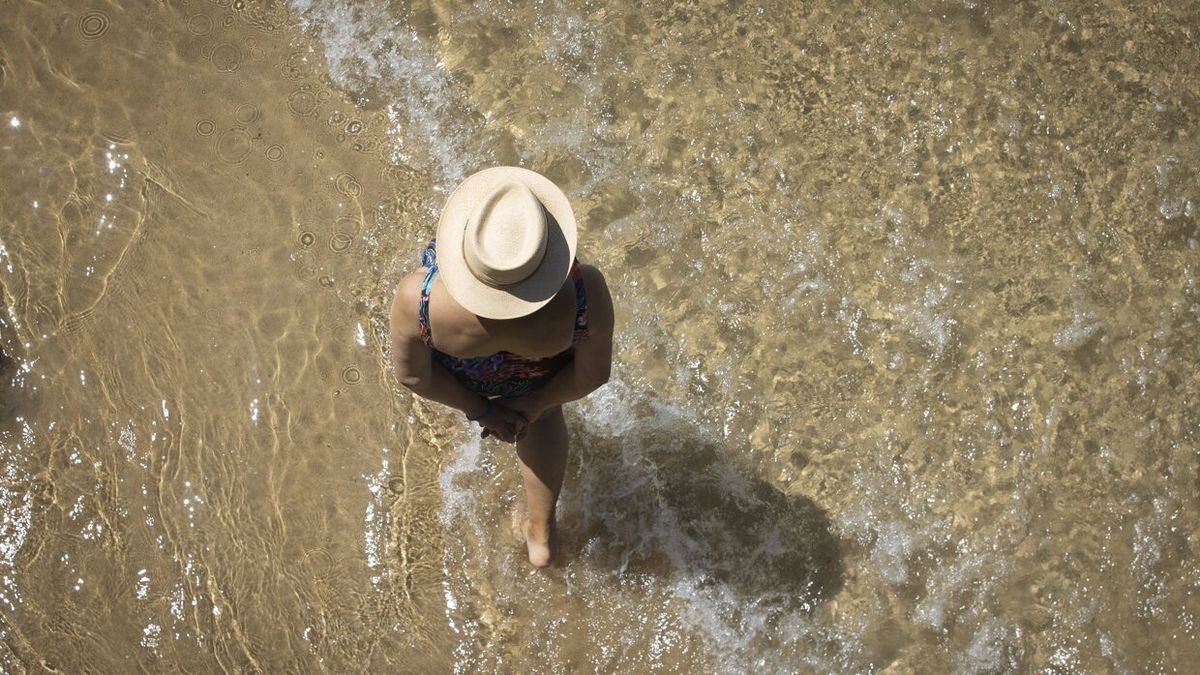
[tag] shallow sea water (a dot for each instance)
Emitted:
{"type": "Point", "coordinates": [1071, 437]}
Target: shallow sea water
{"type": "Point", "coordinates": [908, 315]}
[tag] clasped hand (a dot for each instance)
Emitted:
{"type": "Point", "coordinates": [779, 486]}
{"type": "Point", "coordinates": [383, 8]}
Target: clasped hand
{"type": "Point", "coordinates": [509, 421]}
{"type": "Point", "coordinates": [504, 423]}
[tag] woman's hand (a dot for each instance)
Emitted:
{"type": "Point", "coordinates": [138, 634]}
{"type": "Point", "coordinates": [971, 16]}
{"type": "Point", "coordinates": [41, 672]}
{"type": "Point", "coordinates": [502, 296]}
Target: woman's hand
{"type": "Point", "coordinates": [504, 423]}
{"type": "Point", "coordinates": [529, 407]}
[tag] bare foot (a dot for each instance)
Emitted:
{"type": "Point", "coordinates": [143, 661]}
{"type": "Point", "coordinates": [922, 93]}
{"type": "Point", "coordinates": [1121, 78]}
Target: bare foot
{"type": "Point", "coordinates": [539, 542]}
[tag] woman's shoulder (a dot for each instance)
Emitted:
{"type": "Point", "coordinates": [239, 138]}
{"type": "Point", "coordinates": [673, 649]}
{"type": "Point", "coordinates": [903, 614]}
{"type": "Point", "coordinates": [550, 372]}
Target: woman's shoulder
{"type": "Point", "coordinates": [406, 301]}
{"type": "Point", "coordinates": [592, 277]}
{"type": "Point", "coordinates": [599, 300]}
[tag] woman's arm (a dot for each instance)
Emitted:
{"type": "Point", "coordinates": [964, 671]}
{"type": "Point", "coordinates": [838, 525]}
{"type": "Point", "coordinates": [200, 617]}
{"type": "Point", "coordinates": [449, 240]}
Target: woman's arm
{"type": "Point", "coordinates": [590, 368]}
{"type": "Point", "coordinates": [416, 369]}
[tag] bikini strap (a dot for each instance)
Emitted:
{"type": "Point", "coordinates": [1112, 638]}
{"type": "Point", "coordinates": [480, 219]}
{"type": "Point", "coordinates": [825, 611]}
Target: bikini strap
{"type": "Point", "coordinates": [429, 260]}
{"type": "Point", "coordinates": [581, 307]}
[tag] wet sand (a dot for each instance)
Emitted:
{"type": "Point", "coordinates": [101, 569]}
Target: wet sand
{"type": "Point", "coordinates": [908, 322]}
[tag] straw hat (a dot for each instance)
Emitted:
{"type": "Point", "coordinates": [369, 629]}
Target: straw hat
{"type": "Point", "coordinates": [505, 242]}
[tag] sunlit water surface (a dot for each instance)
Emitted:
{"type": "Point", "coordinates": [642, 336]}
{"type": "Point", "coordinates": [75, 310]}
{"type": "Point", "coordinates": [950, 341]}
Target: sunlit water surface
{"type": "Point", "coordinates": [908, 316]}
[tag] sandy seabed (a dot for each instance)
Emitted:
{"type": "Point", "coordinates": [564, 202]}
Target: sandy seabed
{"type": "Point", "coordinates": [908, 316]}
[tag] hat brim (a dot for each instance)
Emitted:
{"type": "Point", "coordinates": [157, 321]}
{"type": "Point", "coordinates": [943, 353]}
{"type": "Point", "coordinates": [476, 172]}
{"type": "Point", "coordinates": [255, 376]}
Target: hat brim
{"type": "Point", "coordinates": [524, 297]}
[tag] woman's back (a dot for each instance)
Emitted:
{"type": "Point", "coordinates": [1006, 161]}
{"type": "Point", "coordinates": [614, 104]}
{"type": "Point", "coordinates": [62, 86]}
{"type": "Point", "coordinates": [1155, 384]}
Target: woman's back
{"type": "Point", "coordinates": [497, 358]}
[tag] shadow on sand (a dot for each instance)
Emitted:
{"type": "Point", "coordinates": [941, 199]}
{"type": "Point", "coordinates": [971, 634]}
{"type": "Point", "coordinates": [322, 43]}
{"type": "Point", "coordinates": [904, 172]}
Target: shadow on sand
{"type": "Point", "coordinates": [660, 498]}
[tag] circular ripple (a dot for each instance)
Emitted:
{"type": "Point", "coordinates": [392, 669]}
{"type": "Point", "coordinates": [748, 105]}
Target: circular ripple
{"type": "Point", "coordinates": [351, 375]}
{"type": "Point", "coordinates": [226, 57]}
{"type": "Point", "coordinates": [205, 127]}
{"type": "Point", "coordinates": [233, 146]}
{"type": "Point", "coordinates": [302, 102]}
{"type": "Point", "coordinates": [395, 485]}
{"type": "Point", "coordinates": [307, 239]}
{"type": "Point", "coordinates": [213, 318]}
{"type": "Point", "coordinates": [305, 265]}
{"type": "Point", "coordinates": [275, 153]}
{"type": "Point", "coordinates": [246, 113]}
{"type": "Point", "coordinates": [93, 25]}
{"type": "Point", "coordinates": [354, 127]}
{"type": "Point", "coordinates": [296, 65]}
{"type": "Point", "coordinates": [340, 242]}
{"type": "Point", "coordinates": [401, 174]}
{"type": "Point", "coordinates": [347, 185]}
{"type": "Point", "coordinates": [199, 24]}
{"type": "Point", "coordinates": [351, 225]}
{"type": "Point", "coordinates": [158, 33]}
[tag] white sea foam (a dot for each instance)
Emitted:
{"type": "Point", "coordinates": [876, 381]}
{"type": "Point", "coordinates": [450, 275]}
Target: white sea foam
{"type": "Point", "coordinates": [925, 319]}
{"type": "Point", "coordinates": [373, 53]}
{"type": "Point", "coordinates": [368, 50]}
{"type": "Point", "coordinates": [16, 510]}
{"type": "Point", "coordinates": [376, 520]}
{"type": "Point", "coordinates": [994, 649]}
{"type": "Point", "coordinates": [1077, 333]}
{"type": "Point", "coordinates": [150, 635]}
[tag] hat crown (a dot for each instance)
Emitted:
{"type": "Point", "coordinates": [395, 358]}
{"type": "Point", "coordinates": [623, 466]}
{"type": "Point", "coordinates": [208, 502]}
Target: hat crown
{"type": "Point", "coordinates": [505, 235]}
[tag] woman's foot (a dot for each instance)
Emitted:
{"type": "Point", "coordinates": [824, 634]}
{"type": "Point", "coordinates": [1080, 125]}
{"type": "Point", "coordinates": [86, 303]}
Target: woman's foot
{"type": "Point", "coordinates": [539, 542]}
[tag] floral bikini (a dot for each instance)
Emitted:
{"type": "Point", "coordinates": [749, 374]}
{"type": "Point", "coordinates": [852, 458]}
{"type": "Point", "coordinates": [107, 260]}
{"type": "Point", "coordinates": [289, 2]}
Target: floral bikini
{"type": "Point", "coordinates": [503, 374]}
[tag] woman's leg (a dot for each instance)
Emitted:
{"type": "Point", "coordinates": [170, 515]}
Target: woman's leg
{"type": "Point", "coordinates": [543, 457]}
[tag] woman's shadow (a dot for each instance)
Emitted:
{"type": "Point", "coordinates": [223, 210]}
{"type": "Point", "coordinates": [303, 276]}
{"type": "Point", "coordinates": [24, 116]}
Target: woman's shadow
{"type": "Point", "coordinates": [656, 495]}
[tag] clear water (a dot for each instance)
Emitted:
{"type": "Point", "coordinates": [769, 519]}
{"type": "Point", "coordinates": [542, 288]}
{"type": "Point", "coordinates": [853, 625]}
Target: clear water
{"type": "Point", "coordinates": [908, 337]}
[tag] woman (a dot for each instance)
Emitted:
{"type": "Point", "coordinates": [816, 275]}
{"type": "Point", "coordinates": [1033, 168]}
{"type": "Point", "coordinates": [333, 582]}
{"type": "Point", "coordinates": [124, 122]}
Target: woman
{"type": "Point", "coordinates": [505, 325]}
